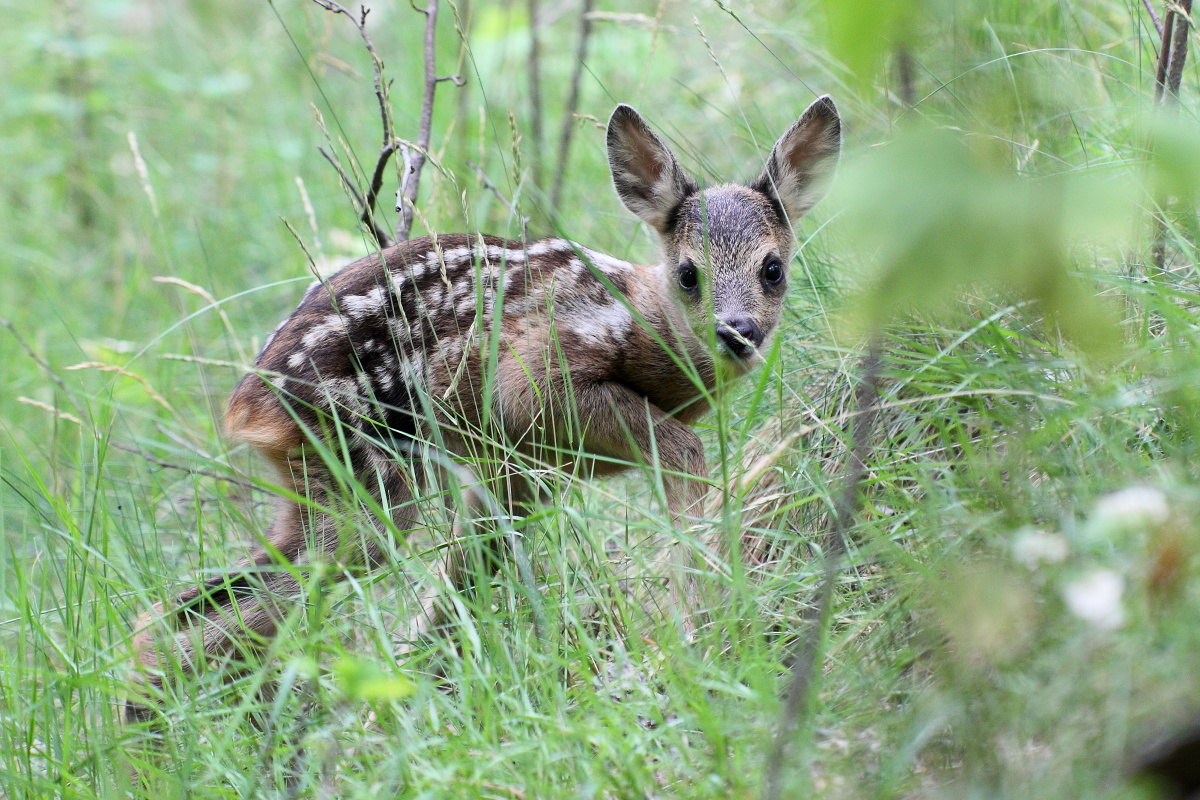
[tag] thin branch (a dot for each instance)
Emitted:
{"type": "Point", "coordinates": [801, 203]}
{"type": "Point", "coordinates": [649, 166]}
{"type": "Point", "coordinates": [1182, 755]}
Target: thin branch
{"type": "Point", "coordinates": [568, 128]}
{"type": "Point", "coordinates": [405, 172]}
{"type": "Point", "coordinates": [368, 216]}
{"type": "Point", "coordinates": [1164, 54]}
{"type": "Point", "coordinates": [1168, 76]}
{"type": "Point", "coordinates": [535, 91]}
{"type": "Point", "coordinates": [796, 701]}
{"type": "Point", "coordinates": [410, 181]}
{"type": "Point", "coordinates": [367, 206]}
{"type": "Point", "coordinates": [1158, 26]}
{"type": "Point", "coordinates": [487, 184]}
{"type": "Point", "coordinates": [1179, 48]}
{"type": "Point", "coordinates": [381, 87]}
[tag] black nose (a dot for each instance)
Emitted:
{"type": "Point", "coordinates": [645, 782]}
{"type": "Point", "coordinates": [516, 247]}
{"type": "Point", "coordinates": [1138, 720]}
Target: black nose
{"type": "Point", "coordinates": [740, 334]}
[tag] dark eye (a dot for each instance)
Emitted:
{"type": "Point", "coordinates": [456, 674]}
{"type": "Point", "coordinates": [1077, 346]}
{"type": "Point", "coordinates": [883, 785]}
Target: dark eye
{"type": "Point", "coordinates": [689, 278]}
{"type": "Point", "coordinates": [772, 271]}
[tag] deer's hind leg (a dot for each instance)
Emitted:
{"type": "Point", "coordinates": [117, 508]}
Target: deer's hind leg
{"type": "Point", "coordinates": [240, 611]}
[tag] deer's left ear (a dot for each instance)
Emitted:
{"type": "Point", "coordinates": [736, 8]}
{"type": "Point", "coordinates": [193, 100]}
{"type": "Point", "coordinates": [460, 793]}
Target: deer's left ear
{"type": "Point", "coordinates": [645, 173]}
{"type": "Point", "coordinates": [803, 160]}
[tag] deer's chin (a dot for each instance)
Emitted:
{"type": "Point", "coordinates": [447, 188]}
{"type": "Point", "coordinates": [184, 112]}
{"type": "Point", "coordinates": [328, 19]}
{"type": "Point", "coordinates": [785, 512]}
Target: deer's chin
{"type": "Point", "coordinates": [732, 365]}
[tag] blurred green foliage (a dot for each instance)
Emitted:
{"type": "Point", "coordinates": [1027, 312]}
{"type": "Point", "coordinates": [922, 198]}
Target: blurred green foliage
{"type": "Point", "coordinates": [932, 216]}
{"type": "Point", "coordinates": [862, 33]}
{"type": "Point", "coordinates": [362, 680]}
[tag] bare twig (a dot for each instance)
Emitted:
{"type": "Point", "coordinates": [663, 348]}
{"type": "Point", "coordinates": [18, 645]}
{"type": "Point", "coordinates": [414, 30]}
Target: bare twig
{"type": "Point", "coordinates": [1168, 76]}
{"type": "Point", "coordinates": [381, 87]}
{"type": "Point", "coordinates": [1164, 54]}
{"type": "Point", "coordinates": [410, 181]}
{"type": "Point", "coordinates": [568, 127]}
{"type": "Point", "coordinates": [487, 184]}
{"type": "Point", "coordinates": [367, 205]}
{"type": "Point", "coordinates": [535, 91]}
{"type": "Point", "coordinates": [1158, 26]}
{"type": "Point", "coordinates": [368, 216]}
{"type": "Point", "coordinates": [795, 705]}
{"type": "Point", "coordinates": [405, 172]}
{"type": "Point", "coordinates": [1179, 47]}
{"type": "Point", "coordinates": [1158, 247]}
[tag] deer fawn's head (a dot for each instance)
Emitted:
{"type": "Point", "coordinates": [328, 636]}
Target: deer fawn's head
{"type": "Point", "coordinates": [726, 249]}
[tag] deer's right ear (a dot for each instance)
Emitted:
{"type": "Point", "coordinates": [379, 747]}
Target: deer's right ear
{"type": "Point", "coordinates": [802, 162]}
{"type": "Point", "coordinates": [647, 177]}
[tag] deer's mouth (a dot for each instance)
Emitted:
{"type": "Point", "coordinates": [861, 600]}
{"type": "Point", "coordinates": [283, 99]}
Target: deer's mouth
{"type": "Point", "coordinates": [737, 350]}
{"type": "Point", "coordinates": [739, 337]}
{"type": "Point", "coordinates": [739, 361]}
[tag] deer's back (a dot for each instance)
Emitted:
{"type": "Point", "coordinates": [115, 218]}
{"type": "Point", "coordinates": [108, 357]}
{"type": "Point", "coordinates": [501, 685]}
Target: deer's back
{"type": "Point", "coordinates": [389, 342]}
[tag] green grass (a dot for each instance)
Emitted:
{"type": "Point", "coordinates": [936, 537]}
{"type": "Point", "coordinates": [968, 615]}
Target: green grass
{"type": "Point", "coordinates": [950, 669]}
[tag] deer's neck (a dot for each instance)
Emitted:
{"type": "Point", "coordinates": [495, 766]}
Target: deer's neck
{"type": "Point", "coordinates": [663, 359]}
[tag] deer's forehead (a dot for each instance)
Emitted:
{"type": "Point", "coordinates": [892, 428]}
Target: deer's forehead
{"type": "Point", "coordinates": [732, 217]}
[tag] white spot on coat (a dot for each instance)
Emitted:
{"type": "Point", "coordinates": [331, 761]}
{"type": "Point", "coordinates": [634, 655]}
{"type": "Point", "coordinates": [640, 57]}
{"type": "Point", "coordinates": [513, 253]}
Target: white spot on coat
{"type": "Point", "coordinates": [318, 333]}
{"type": "Point", "coordinates": [384, 377]}
{"type": "Point", "coordinates": [550, 246]}
{"type": "Point", "coordinates": [466, 304]}
{"type": "Point", "coordinates": [363, 305]}
{"type": "Point", "coordinates": [455, 256]}
{"type": "Point", "coordinates": [364, 384]}
{"type": "Point", "coordinates": [504, 255]}
{"type": "Point", "coordinates": [605, 263]}
{"type": "Point", "coordinates": [599, 324]}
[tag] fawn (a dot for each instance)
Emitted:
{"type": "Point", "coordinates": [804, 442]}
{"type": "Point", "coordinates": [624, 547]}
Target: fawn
{"type": "Point", "coordinates": [564, 355]}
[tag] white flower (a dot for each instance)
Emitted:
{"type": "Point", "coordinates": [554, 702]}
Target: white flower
{"type": "Point", "coordinates": [1132, 508]}
{"type": "Point", "coordinates": [1031, 547]}
{"type": "Point", "coordinates": [1096, 598]}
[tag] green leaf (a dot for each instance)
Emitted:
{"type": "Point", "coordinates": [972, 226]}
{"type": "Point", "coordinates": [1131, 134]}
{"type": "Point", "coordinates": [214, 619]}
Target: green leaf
{"type": "Point", "coordinates": [1175, 157]}
{"type": "Point", "coordinates": [365, 680]}
{"type": "Point", "coordinates": [861, 32]}
{"type": "Point", "coordinates": [934, 216]}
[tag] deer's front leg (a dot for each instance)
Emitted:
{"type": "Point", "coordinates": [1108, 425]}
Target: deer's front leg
{"type": "Point", "coordinates": [619, 423]}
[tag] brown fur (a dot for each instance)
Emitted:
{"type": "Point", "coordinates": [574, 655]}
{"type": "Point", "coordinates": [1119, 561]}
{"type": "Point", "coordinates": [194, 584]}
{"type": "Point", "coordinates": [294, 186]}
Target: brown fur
{"type": "Point", "coordinates": [595, 356]}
